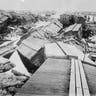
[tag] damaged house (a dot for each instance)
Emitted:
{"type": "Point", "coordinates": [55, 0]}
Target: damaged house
{"type": "Point", "coordinates": [53, 28]}
{"type": "Point", "coordinates": [72, 31]}
{"type": "Point", "coordinates": [49, 29]}
{"type": "Point", "coordinates": [31, 51]}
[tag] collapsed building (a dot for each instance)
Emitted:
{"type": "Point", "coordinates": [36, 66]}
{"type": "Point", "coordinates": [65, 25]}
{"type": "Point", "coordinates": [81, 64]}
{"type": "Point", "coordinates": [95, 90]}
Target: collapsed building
{"type": "Point", "coordinates": [50, 29]}
{"type": "Point", "coordinates": [31, 52]}
{"type": "Point", "coordinates": [56, 70]}
{"type": "Point", "coordinates": [55, 62]}
{"type": "Point", "coordinates": [73, 31]}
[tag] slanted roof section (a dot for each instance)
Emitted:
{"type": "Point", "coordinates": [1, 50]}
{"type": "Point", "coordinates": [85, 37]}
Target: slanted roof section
{"type": "Point", "coordinates": [93, 38]}
{"type": "Point", "coordinates": [35, 43]}
{"type": "Point", "coordinates": [55, 21]}
{"type": "Point", "coordinates": [70, 28]}
{"type": "Point", "coordinates": [3, 19]}
{"type": "Point", "coordinates": [15, 58]}
{"type": "Point", "coordinates": [74, 27]}
{"type": "Point", "coordinates": [52, 28]}
{"type": "Point", "coordinates": [4, 60]}
{"type": "Point", "coordinates": [77, 27]}
{"type": "Point", "coordinates": [26, 51]}
{"type": "Point", "coordinates": [53, 50]}
{"type": "Point", "coordinates": [39, 33]}
{"type": "Point", "coordinates": [51, 79]}
{"type": "Point", "coordinates": [41, 23]}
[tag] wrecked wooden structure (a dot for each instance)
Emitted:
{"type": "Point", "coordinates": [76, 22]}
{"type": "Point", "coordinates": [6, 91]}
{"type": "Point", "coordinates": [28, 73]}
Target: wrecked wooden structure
{"type": "Point", "coordinates": [31, 51]}
{"type": "Point", "coordinates": [60, 80]}
{"type": "Point", "coordinates": [63, 69]}
{"type": "Point", "coordinates": [51, 29]}
{"type": "Point", "coordinates": [73, 31]}
{"type": "Point", "coordinates": [52, 79]}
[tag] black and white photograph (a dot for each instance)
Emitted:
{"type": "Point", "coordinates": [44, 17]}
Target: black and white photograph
{"type": "Point", "coordinates": [47, 47]}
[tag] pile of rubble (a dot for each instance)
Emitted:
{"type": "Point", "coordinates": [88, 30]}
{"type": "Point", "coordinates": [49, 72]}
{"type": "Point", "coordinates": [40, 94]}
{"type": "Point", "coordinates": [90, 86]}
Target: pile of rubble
{"type": "Point", "coordinates": [45, 40]}
{"type": "Point", "coordinates": [10, 79]}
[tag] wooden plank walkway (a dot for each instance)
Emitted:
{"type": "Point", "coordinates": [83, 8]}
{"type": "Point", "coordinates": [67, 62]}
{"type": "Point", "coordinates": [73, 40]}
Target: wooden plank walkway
{"type": "Point", "coordinates": [78, 82]}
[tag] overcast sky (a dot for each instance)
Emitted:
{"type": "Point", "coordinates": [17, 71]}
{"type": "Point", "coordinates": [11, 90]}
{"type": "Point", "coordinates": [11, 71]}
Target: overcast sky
{"type": "Point", "coordinates": [62, 5]}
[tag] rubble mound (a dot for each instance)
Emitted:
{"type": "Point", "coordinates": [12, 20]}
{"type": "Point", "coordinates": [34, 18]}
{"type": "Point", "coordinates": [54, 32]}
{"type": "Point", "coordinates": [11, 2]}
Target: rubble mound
{"type": "Point", "coordinates": [10, 79]}
{"type": "Point", "coordinates": [9, 83]}
{"type": "Point", "coordinates": [5, 65]}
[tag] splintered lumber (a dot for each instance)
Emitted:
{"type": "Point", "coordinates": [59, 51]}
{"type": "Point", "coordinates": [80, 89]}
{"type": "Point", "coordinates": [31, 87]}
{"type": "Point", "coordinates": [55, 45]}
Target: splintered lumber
{"type": "Point", "coordinates": [78, 82]}
{"type": "Point", "coordinates": [53, 50]}
{"type": "Point", "coordinates": [84, 81]}
{"type": "Point", "coordinates": [72, 79]}
{"type": "Point", "coordinates": [5, 65]}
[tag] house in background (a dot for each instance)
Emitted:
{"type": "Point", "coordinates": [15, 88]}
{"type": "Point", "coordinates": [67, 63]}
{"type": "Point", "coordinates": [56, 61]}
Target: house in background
{"type": "Point", "coordinates": [73, 31]}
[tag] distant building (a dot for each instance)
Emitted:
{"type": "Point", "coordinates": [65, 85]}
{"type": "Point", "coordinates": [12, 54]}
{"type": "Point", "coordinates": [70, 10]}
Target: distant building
{"type": "Point", "coordinates": [74, 30]}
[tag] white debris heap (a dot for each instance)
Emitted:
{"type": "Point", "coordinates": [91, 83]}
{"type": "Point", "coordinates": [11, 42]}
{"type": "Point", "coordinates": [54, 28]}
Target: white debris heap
{"type": "Point", "coordinates": [10, 78]}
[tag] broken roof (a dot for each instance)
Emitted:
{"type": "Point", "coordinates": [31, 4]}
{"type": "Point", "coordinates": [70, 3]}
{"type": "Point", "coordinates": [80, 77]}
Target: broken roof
{"type": "Point", "coordinates": [74, 27]}
{"type": "Point", "coordinates": [77, 27]}
{"type": "Point", "coordinates": [39, 33]}
{"type": "Point", "coordinates": [26, 51]}
{"type": "Point", "coordinates": [5, 65]}
{"type": "Point", "coordinates": [42, 23]}
{"type": "Point", "coordinates": [3, 18]}
{"type": "Point", "coordinates": [52, 28]}
{"type": "Point", "coordinates": [52, 70]}
{"type": "Point", "coordinates": [15, 58]}
{"type": "Point", "coordinates": [93, 38]}
{"type": "Point", "coordinates": [55, 21]}
{"type": "Point", "coordinates": [35, 43]}
{"type": "Point", "coordinates": [53, 50]}
{"type": "Point", "coordinates": [30, 46]}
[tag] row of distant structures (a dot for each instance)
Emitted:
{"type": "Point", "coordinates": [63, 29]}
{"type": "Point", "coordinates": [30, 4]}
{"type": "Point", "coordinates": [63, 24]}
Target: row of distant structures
{"type": "Point", "coordinates": [91, 17]}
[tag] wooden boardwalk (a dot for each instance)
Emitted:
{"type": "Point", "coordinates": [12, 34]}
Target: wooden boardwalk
{"type": "Point", "coordinates": [78, 82]}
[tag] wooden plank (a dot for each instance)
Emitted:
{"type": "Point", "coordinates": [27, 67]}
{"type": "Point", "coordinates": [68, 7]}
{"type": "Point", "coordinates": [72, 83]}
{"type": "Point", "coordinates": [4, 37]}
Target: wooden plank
{"type": "Point", "coordinates": [79, 92]}
{"type": "Point", "coordinates": [72, 79]}
{"type": "Point", "coordinates": [78, 80]}
{"type": "Point", "coordinates": [50, 79]}
{"type": "Point", "coordinates": [84, 81]}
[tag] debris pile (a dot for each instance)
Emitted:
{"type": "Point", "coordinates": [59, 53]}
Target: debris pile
{"type": "Point", "coordinates": [33, 42]}
{"type": "Point", "coordinates": [9, 77]}
{"type": "Point", "coordinates": [5, 65]}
